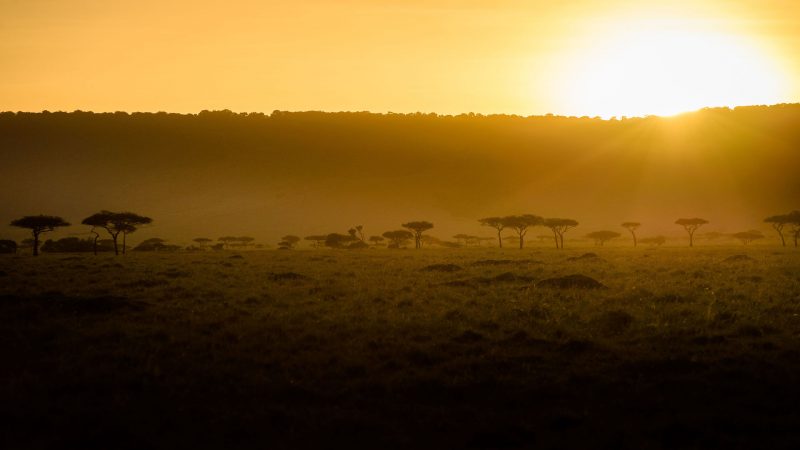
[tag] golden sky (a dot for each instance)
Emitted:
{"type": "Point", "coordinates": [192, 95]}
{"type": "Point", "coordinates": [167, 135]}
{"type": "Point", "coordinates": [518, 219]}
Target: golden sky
{"type": "Point", "coordinates": [586, 57]}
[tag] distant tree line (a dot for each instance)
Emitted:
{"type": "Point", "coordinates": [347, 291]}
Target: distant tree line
{"type": "Point", "coordinates": [125, 223]}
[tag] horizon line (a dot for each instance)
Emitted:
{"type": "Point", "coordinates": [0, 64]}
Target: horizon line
{"type": "Point", "coordinates": [392, 113]}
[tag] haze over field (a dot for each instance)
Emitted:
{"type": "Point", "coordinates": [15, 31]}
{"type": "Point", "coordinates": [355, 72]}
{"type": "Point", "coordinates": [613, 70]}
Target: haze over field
{"type": "Point", "coordinates": [309, 173]}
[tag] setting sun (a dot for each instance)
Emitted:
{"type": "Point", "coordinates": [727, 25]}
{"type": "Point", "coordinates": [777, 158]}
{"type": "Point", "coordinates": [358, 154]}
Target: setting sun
{"type": "Point", "coordinates": [649, 70]}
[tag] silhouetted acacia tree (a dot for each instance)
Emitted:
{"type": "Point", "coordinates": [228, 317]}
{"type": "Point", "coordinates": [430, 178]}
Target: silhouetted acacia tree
{"type": "Point", "coordinates": [244, 241]}
{"type": "Point", "coordinates": [600, 237]}
{"type": "Point", "coordinates": [376, 240]}
{"type": "Point", "coordinates": [337, 240]}
{"type": "Point", "coordinates": [632, 227]}
{"type": "Point", "coordinates": [38, 225]}
{"type": "Point", "coordinates": [496, 223]}
{"type": "Point", "coordinates": [288, 242]}
{"type": "Point", "coordinates": [462, 238]}
{"type": "Point", "coordinates": [99, 220]}
{"type": "Point", "coordinates": [398, 238]}
{"type": "Point", "coordinates": [691, 225]}
{"type": "Point", "coordinates": [418, 228]}
{"type": "Point", "coordinates": [126, 229]}
{"type": "Point", "coordinates": [778, 223]}
{"type": "Point", "coordinates": [747, 237]}
{"type": "Point", "coordinates": [127, 223]}
{"type": "Point", "coordinates": [202, 242]}
{"type": "Point", "coordinates": [155, 245]}
{"type": "Point", "coordinates": [431, 240]}
{"type": "Point", "coordinates": [559, 227]}
{"type": "Point", "coordinates": [794, 220]}
{"type": "Point", "coordinates": [8, 246]}
{"type": "Point", "coordinates": [116, 223]}
{"type": "Point", "coordinates": [318, 240]}
{"type": "Point", "coordinates": [228, 241]}
{"type": "Point", "coordinates": [520, 225]}
{"type": "Point", "coordinates": [360, 232]}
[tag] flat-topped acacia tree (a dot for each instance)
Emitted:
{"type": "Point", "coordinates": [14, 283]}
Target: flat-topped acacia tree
{"type": "Point", "coordinates": [418, 228]}
{"type": "Point", "coordinates": [559, 227]}
{"type": "Point", "coordinates": [38, 225]}
{"type": "Point", "coordinates": [98, 220]}
{"type": "Point", "coordinates": [398, 238]}
{"type": "Point", "coordinates": [601, 237]}
{"type": "Point", "coordinates": [288, 242]}
{"type": "Point", "coordinates": [632, 227]}
{"type": "Point", "coordinates": [691, 225]}
{"type": "Point", "coordinates": [318, 240]}
{"type": "Point", "coordinates": [746, 237]}
{"type": "Point", "coordinates": [202, 242]}
{"type": "Point", "coordinates": [115, 223]}
{"type": "Point", "coordinates": [520, 224]}
{"type": "Point", "coordinates": [794, 221]}
{"type": "Point", "coordinates": [778, 223]}
{"type": "Point", "coordinates": [496, 223]}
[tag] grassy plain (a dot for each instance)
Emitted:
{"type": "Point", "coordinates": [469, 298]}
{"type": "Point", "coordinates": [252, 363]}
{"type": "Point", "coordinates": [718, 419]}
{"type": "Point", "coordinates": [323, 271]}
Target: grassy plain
{"type": "Point", "coordinates": [684, 348]}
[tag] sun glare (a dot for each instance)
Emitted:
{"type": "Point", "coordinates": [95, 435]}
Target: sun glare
{"type": "Point", "coordinates": [665, 71]}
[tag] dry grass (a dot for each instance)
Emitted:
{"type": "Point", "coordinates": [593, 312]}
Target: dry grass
{"type": "Point", "coordinates": [685, 348]}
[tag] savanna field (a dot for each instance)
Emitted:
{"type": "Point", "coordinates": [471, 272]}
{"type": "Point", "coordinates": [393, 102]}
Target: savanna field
{"type": "Point", "coordinates": [433, 348]}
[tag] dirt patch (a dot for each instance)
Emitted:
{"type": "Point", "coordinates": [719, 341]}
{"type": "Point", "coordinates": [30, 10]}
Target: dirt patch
{"type": "Point", "coordinates": [503, 262]}
{"type": "Point", "coordinates": [287, 276]}
{"type": "Point", "coordinates": [586, 257]}
{"type": "Point", "coordinates": [738, 258]}
{"type": "Point", "coordinates": [442, 268]}
{"type": "Point", "coordinates": [575, 281]}
{"type": "Point", "coordinates": [508, 277]}
{"type": "Point", "coordinates": [458, 283]}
